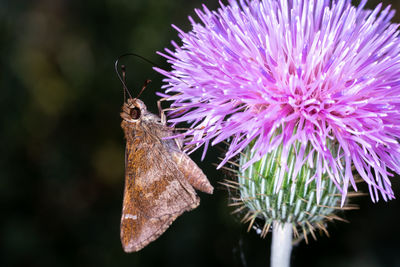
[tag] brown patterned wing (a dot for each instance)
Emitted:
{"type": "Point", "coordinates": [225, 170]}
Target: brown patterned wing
{"type": "Point", "coordinates": [192, 173]}
{"type": "Point", "coordinates": [155, 194]}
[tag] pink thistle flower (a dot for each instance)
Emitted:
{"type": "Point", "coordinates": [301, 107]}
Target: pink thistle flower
{"type": "Point", "coordinates": [276, 72]}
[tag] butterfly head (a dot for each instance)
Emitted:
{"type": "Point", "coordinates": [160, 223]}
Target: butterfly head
{"type": "Point", "coordinates": [133, 110]}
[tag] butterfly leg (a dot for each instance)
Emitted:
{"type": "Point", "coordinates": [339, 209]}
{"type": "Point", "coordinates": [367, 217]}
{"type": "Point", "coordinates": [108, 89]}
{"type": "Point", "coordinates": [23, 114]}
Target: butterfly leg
{"type": "Point", "coordinates": [162, 111]}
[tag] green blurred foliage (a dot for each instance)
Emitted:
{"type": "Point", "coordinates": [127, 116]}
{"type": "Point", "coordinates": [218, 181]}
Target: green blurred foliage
{"type": "Point", "coordinates": [61, 166]}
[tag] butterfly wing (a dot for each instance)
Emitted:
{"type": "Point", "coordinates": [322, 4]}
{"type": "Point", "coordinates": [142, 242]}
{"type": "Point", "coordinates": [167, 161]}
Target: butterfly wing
{"type": "Point", "coordinates": [155, 194]}
{"type": "Point", "coordinates": [192, 173]}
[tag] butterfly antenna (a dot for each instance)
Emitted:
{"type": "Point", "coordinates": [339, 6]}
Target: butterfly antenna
{"type": "Point", "coordinates": [123, 68]}
{"type": "Point", "coordinates": [144, 87]}
{"type": "Point", "coordinates": [139, 56]}
{"type": "Point", "coordinates": [126, 91]}
{"type": "Point", "coordinates": [123, 78]}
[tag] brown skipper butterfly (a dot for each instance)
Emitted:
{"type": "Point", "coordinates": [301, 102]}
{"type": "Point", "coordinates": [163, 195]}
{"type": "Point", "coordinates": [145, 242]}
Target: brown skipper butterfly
{"type": "Point", "coordinates": [159, 177]}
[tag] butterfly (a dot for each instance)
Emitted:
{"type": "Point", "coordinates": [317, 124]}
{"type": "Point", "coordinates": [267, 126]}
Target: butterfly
{"type": "Point", "coordinates": [160, 177]}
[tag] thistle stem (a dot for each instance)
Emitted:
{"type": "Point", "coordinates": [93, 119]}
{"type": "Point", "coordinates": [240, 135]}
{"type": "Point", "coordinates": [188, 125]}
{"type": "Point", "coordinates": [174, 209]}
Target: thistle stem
{"type": "Point", "coordinates": [281, 244]}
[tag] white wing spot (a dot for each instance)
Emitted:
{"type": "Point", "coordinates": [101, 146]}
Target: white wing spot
{"type": "Point", "coordinates": [130, 216]}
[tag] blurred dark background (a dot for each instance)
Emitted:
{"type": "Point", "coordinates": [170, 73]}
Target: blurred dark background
{"type": "Point", "coordinates": [62, 149]}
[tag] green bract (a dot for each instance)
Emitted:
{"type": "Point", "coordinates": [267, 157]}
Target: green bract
{"type": "Point", "coordinates": [294, 201]}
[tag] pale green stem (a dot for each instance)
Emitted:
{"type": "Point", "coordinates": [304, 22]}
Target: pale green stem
{"type": "Point", "coordinates": [281, 244]}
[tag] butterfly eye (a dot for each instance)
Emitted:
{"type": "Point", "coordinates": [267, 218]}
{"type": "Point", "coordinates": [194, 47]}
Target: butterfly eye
{"type": "Point", "coordinates": [135, 113]}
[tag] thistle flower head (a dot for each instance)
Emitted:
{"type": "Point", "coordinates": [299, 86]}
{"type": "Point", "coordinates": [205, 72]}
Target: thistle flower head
{"type": "Point", "coordinates": [321, 74]}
